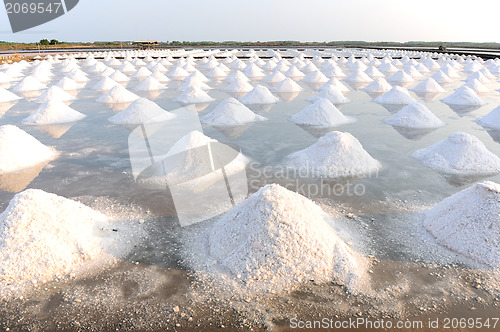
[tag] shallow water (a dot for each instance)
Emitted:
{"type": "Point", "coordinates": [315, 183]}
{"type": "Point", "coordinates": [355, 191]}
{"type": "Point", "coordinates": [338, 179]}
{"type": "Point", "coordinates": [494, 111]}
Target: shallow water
{"type": "Point", "coordinates": [94, 163]}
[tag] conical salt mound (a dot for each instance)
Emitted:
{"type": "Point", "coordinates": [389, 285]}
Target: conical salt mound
{"type": "Point", "coordinates": [468, 223]}
{"type": "Point", "coordinates": [415, 115]}
{"type": "Point", "coordinates": [150, 84]}
{"type": "Point", "coordinates": [379, 85]}
{"type": "Point", "coordinates": [358, 76]}
{"type": "Point", "coordinates": [287, 85]}
{"type": "Point", "coordinates": [231, 112]}
{"type": "Point", "coordinates": [253, 71]}
{"type": "Point", "coordinates": [105, 84]}
{"type": "Point", "coordinates": [335, 155]}
{"type": "Point", "coordinates": [492, 119]}
{"type": "Point", "coordinates": [29, 83]}
{"type": "Point", "coordinates": [441, 77]}
{"type": "Point", "coordinates": [118, 76]}
{"type": "Point", "coordinates": [118, 95]}
{"type": "Point", "coordinates": [191, 81]}
{"type": "Point", "coordinates": [400, 76]}
{"type": "Point", "coordinates": [258, 96]}
{"type": "Point", "coordinates": [53, 112]}
{"type": "Point", "coordinates": [396, 96]}
{"type": "Point", "coordinates": [321, 114]}
{"type": "Point", "coordinates": [374, 73]}
{"type": "Point", "coordinates": [187, 161]}
{"type": "Point", "coordinates": [54, 93]}
{"type": "Point", "coordinates": [337, 84]}
{"type": "Point", "coordinates": [477, 86]}
{"type": "Point", "coordinates": [236, 75]}
{"type": "Point", "coordinates": [275, 77]}
{"type": "Point", "coordinates": [315, 77]}
{"type": "Point", "coordinates": [276, 239]}
{"type": "Point", "coordinates": [464, 96]}
{"type": "Point", "coordinates": [178, 73]}
{"type": "Point", "coordinates": [141, 111]}
{"type": "Point", "coordinates": [19, 150]}
{"type": "Point", "coordinates": [67, 84]}
{"type": "Point", "coordinates": [428, 85]}
{"type": "Point", "coordinates": [6, 96]}
{"type": "Point", "coordinates": [43, 235]}
{"type": "Point", "coordinates": [194, 95]}
{"type": "Point", "coordinates": [332, 94]}
{"type": "Point", "coordinates": [459, 154]}
{"type": "Point", "coordinates": [294, 72]}
{"type": "Point", "coordinates": [239, 85]}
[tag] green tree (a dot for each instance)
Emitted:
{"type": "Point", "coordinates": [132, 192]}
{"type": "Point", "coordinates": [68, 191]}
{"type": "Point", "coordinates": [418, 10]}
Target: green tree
{"type": "Point", "coordinates": [54, 42]}
{"type": "Point", "coordinates": [44, 42]}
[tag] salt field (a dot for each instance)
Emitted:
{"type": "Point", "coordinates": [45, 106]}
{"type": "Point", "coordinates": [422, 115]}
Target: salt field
{"type": "Point", "coordinates": [183, 189]}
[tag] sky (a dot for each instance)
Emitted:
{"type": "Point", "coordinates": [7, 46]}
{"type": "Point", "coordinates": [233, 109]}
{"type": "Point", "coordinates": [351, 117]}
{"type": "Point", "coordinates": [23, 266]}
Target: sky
{"type": "Point", "coordinates": [269, 20]}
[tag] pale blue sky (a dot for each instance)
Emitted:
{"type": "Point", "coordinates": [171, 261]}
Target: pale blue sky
{"type": "Point", "coordinates": [264, 20]}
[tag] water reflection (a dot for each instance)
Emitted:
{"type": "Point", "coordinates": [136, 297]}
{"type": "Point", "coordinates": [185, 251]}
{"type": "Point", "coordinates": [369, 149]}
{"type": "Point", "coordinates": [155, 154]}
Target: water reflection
{"type": "Point", "coordinates": [17, 181]}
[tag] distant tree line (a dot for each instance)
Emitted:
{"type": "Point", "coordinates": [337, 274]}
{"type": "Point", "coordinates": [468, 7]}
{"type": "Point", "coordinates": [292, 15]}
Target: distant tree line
{"type": "Point", "coordinates": [45, 42]}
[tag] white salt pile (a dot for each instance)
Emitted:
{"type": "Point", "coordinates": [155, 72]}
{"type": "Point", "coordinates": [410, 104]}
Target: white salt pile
{"type": "Point", "coordinates": [6, 96]}
{"type": "Point", "coordinates": [236, 75]}
{"type": "Point", "coordinates": [331, 93]}
{"type": "Point", "coordinates": [150, 84]}
{"type": "Point", "coordinates": [53, 112]}
{"type": "Point", "coordinates": [239, 85]}
{"type": "Point", "coordinates": [54, 93]}
{"type": "Point", "coordinates": [118, 95]}
{"type": "Point", "coordinates": [358, 76]}
{"type": "Point", "coordinates": [43, 236]}
{"type": "Point", "coordinates": [178, 73]}
{"type": "Point", "coordinates": [477, 86]}
{"type": "Point", "coordinates": [468, 223]}
{"type": "Point", "coordinates": [29, 83]}
{"type": "Point", "coordinates": [428, 85]}
{"type": "Point", "coordinates": [337, 84]}
{"type": "Point", "coordinates": [193, 81]}
{"type": "Point", "coordinates": [315, 77]}
{"type": "Point", "coordinates": [492, 119]}
{"type": "Point", "coordinates": [141, 111]}
{"type": "Point", "coordinates": [185, 163]}
{"type": "Point", "coordinates": [441, 77]}
{"type": "Point", "coordinates": [118, 76]}
{"type": "Point", "coordinates": [379, 85]}
{"type": "Point", "coordinates": [273, 241]}
{"type": "Point", "coordinates": [287, 85]}
{"type": "Point", "coordinates": [459, 154]}
{"type": "Point", "coordinates": [464, 96]}
{"type": "Point", "coordinates": [105, 84]}
{"type": "Point", "coordinates": [78, 76]}
{"type": "Point", "coordinates": [231, 112]}
{"type": "Point", "coordinates": [141, 73]}
{"type": "Point", "coordinates": [294, 72]}
{"type": "Point", "coordinates": [335, 155]}
{"type": "Point", "coordinates": [258, 96]}
{"type": "Point", "coordinates": [373, 72]}
{"type": "Point", "coordinates": [400, 76]}
{"type": "Point", "coordinates": [415, 115]}
{"type": "Point", "coordinates": [253, 71]}
{"type": "Point", "coordinates": [194, 95]}
{"type": "Point", "coordinates": [67, 84]}
{"type": "Point", "coordinates": [321, 114]}
{"type": "Point", "coordinates": [396, 96]}
{"type": "Point", "coordinates": [19, 150]}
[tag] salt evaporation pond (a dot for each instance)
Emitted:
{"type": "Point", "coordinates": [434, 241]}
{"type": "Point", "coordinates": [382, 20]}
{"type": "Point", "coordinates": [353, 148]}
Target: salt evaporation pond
{"type": "Point", "coordinates": [383, 216]}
